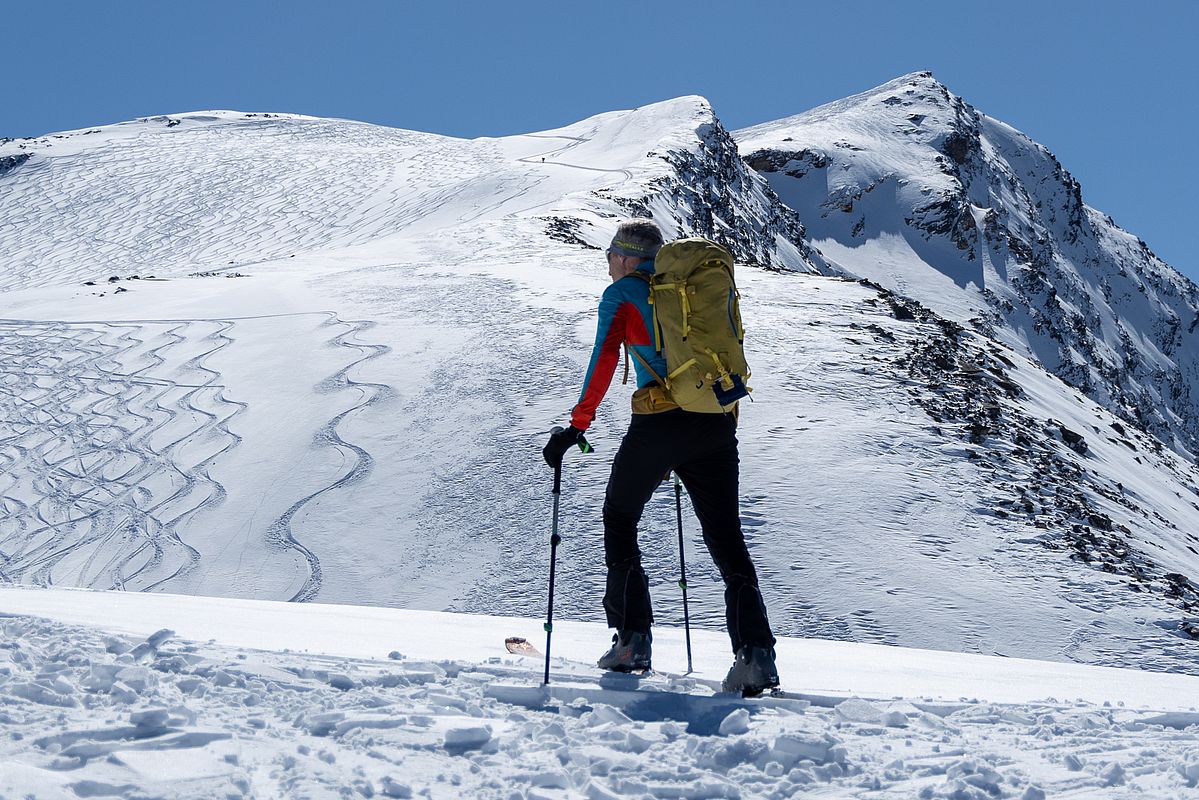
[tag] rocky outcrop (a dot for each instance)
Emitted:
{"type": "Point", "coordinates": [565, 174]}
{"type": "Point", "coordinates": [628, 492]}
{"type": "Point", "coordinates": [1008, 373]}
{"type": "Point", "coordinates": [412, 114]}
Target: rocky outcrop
{"type": "Point", "coordinates": [1038, 469]}
{"type": "Point", "coordinates": [718, 197]}
{"type": "Point", "coordinates": [700, 186]}
{"type": "Point", "coordinates": [9, 163]}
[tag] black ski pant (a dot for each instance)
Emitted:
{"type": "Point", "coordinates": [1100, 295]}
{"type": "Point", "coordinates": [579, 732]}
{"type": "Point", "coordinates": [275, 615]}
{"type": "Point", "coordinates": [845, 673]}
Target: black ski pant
{"type": "Point", "coordinates": [702, 450]}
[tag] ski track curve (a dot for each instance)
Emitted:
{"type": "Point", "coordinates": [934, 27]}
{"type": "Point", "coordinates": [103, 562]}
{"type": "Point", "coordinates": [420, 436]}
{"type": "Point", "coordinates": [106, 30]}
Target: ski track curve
{"type": "Point", "coordinates": [88, 512]}
{"type": "Point", "coordinates": [361, 463]}
{"type": "Point", "coordinates": [108, 435]}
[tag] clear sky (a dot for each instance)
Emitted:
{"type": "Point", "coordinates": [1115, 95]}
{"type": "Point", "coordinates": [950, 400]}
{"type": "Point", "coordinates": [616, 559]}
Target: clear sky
{"type": "Point", "coordinates": [1109, 87]}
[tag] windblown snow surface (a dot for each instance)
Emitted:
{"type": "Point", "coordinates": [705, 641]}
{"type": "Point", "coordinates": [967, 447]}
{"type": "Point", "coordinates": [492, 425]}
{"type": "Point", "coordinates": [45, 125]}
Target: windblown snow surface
{"type": "Point", "coordinates": [274, 357]}
{"type": "Point", "coordinates": [267, 699]}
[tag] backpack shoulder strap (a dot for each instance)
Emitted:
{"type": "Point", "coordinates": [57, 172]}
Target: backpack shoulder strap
{"type": "Point", "coordinates": [644, 363]}
{"type": "Point", "coordinates": [648, 278]}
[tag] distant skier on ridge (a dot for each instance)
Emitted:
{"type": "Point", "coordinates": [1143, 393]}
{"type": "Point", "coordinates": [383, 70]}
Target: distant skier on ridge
{"type": "Point", "coordinates": [700, 447]}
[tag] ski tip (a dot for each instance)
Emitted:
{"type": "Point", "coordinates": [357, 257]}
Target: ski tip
{"type": "Point", "coordinates": [519, 645]}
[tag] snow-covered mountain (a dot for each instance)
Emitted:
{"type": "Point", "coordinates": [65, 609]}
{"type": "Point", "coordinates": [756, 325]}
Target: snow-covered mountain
{"type": "Point", "coordinates": [911, 186]}
{"type": "Point", "coordinates": [337, 383]}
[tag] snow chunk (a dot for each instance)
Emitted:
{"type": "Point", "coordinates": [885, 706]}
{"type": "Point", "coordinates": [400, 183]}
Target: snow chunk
{"type": "Point", "coordinates": [138, 679]}
{"type": "Point", "coordinates": [339, 680]}
{"type": "Point", "coordinates": [1113, 774]}
{"type": "Point", "coordinates": [1172, 719]}
{"type": "Point", "coordinates": [524, 696]}
{"type": "Point", "coordinates": [321, 723]}
{"type": "Point", "coordinates": [604, 714]}
{"type": "Point", "coordinates": [149, 647]}
{"type": "Point", "coordinates": [101, 677]}
{"type": "Point", "coordinates": [43, 694]}
{"type": "Point", "coordinates": [633, 743]}
{"type": "Point", "coordinates": [978, 774]}
{"type": "Point", "coordinates": [150, 718]}
{"type": "Point", "coordinates": [791, 748]}
{"type": "Point", "coordinates": [858, 710]}
{"type": "Point", "coordinates": [1190, 769]}
{"type": "Point", "coordinates": [116, 646]}
{"type": "Point", "coordinates": [467, 738]}
{"type": "Point", "coordinates": [736, 723]}
{"type": "Point", "coordinates": [393, 788]}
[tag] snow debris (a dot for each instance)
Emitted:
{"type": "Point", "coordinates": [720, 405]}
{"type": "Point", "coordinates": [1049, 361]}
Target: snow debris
{"type": "Point", "coordinates": [206, 722]}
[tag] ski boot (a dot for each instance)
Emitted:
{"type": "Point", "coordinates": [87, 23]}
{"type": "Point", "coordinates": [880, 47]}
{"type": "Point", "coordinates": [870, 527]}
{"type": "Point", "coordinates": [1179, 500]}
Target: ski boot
{"type": "Point", "coordinates": [630, 652]}
{"type": "Point", "coordinates": [753, 672]}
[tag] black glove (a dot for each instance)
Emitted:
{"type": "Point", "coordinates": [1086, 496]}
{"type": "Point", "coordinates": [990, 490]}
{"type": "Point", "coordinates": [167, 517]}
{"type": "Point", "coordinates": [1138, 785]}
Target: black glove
{"type": "Point", "coordinates": [561, 440]}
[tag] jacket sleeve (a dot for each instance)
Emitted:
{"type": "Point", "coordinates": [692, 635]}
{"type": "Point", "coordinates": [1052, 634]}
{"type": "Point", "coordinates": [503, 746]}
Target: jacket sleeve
{"type": "Point", "coordinates": [605, 355]}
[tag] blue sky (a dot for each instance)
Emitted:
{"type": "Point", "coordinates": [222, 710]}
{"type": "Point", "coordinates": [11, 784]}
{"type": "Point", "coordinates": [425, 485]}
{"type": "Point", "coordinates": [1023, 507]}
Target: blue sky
{"type": "Point", "coordinates": [1109, 87]}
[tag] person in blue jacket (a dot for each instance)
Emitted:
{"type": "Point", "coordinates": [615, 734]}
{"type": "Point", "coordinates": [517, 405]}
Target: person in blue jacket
{"type": "Point", "coordinates": [700, 448]}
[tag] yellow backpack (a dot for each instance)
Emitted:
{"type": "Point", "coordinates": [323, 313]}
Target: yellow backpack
{"type": "Point", "coordinates": [697, 326]}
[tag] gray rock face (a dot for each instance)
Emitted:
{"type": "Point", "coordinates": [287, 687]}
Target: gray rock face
{"type": "Point", "coordinates": [717, 196]}
{"type": "Point", "coordinates": [980, 203]}
{"type": "Point", "coordinates": [9, 163]}
{"type": "Point", "coordinates": [707, 189]}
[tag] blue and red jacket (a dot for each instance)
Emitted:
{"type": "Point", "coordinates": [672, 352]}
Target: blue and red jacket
{"type": "Point", "coordinates": [625, 317]}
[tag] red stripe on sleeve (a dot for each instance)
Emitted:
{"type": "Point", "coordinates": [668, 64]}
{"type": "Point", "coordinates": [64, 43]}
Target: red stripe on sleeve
{"type": "Point", "coordinates": [605, 367]}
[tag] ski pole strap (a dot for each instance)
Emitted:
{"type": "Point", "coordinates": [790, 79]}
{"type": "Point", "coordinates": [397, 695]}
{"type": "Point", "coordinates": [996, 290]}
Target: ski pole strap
{"type": "Point", "coordinates": [683, 584]}
{"type": "Point", "coordinates": [584, 445]}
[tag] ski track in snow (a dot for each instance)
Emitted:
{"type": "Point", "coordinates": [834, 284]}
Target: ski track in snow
{"type": "Point", "coordinates": [328, 436]}
{"type": "Point", "coordinates": [108, 433]}
{"type": "Point", "coordinates": [92, 714]}
{"type": "Point", "coordinates": [575, 141]}
{"type": "Point", "coordinates": [97, 448]}
{"type": "Point", "coordinates": [312, 185]}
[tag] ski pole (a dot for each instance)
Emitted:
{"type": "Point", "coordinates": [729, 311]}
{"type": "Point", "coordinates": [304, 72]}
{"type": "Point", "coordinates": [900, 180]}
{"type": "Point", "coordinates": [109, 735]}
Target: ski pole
{"type": "Point", "coordinates": [678, 509]}
{"type": "Point", "coordinates": [555, 539]}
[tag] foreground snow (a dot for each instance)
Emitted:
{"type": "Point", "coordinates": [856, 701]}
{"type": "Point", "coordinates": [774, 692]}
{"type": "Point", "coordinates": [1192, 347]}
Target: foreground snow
{"type": "Point", "coordinates": [132, 695]}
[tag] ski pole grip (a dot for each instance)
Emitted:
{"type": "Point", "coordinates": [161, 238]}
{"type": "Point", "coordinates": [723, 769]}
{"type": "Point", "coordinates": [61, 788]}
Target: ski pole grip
{"type": "Point", "coordinates": [584, 445]}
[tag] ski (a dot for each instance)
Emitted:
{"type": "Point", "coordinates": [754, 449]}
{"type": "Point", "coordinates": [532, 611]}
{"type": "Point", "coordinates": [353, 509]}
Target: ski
{"type": "Point", "coordinates": [520, 646]}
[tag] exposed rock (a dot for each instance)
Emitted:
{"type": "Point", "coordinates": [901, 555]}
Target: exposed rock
{"type": "Point", "coordinates": [9, 163]}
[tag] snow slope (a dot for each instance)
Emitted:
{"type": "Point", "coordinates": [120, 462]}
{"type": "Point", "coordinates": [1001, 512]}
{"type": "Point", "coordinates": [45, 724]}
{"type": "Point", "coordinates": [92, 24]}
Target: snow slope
{"type": "Point", "coordinates": [336, 386]}
{"type": "Point", "coordinates": [222, 189]}
{"type": "Point", "coordinates": [129, 694]}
